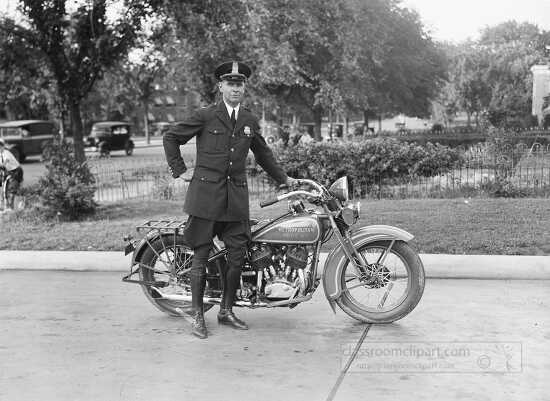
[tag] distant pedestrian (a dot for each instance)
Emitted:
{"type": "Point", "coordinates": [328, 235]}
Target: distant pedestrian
{"type": "Point", "coordinates": [11, 166]}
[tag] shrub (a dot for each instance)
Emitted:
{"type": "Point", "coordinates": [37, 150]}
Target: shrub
{"type": "Point", "coordinates": [368, 162]}
{"type": "Point", "coordinates": [68, 188]}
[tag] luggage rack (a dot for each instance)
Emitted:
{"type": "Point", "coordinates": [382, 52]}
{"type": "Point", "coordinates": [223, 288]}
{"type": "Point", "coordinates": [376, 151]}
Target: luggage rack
{"type": "Point", "coordinates": [161, 225]}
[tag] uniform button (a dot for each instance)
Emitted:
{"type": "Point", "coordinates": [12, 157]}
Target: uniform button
{"type": "Point", "coordinates": [230, 163]}
{"type": "Point", "coordinates": [232, 149]}
{"type": "Point", "coordinates": [228, 178]}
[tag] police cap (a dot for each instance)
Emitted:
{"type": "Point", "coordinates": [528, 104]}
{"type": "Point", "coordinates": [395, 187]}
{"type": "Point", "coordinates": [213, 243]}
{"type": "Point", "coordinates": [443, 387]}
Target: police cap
{"type": "Point", "coordinates": [232, 71]}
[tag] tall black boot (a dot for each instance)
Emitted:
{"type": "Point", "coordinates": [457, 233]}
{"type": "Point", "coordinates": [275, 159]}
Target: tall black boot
{"type": "Point", "coordinates": [198, 282]}
{"type": "Point", "coordinates": [226, 315]}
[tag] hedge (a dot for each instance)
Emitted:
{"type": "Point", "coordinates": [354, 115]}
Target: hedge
{"type": "Point", "coordinates": [367, 162]}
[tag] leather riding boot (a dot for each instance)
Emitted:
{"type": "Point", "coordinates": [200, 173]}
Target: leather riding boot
{"type": "Point", "coordinates": [198, 282]}
{"type": "Point", "coordinates": [198, 328]}
{"type": "Point", "coordinates": [226, 315]}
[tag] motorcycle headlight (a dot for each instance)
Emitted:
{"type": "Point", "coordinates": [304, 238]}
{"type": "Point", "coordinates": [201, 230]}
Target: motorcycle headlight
{"type": "Point", "coordinates": [340, 189]}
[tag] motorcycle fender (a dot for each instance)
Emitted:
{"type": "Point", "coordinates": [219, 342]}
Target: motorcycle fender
{"type": "Point", "coordinates": [143, 244]}
{"type": "Point", "coordinates": [337, 258]}
{"type": "Point", "coordinates": [168, 238]}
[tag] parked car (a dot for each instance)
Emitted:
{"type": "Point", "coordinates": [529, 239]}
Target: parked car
{"type": "Point", "coordinates": [27, 137]}
{"type": "Point", "coordinates": [107, 136]}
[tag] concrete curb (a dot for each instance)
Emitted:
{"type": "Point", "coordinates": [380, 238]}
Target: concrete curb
{"type": "Point", "coordinates": [494, 267]}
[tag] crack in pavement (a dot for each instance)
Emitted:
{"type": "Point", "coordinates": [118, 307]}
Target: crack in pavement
{"type": "Point", "coordinates": [340, 379]}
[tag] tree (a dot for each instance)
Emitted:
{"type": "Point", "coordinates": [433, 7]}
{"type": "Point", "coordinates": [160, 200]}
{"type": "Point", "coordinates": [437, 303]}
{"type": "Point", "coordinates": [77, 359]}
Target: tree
{"type": "Point", "coordinates": [209, 32]}
{"type": "Point", "coordinates": [393, 66]}
{"type": "Point", "coordinates": [492, 77]}
{"type": "Point", "coordinates": [24, 84]}
{"type": "Point", "coordinates": [300, 53]}
{"type": "Point", "coordinates": [79, 46]}
{"type": "Point", "coordinates": [514, 48]}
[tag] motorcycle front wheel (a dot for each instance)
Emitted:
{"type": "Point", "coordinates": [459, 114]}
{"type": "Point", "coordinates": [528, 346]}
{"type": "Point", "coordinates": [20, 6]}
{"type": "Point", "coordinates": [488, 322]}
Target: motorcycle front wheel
{"type": "Point", "coordinates": [389, 289]}
{"type": "Point", "coordinates": [156, 265]}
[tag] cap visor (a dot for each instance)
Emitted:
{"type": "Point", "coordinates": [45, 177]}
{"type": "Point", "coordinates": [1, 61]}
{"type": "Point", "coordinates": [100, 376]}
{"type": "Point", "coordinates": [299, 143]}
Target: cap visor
{"type": "Point", "coordinates": [232, 77]}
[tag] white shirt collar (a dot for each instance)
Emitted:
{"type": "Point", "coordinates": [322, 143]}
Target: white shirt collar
{"type": "Point", "coordinates": [230, 109]}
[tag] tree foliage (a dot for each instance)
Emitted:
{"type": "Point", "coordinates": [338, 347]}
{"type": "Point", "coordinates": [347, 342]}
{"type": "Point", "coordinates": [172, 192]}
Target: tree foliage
{"type": "Point", "coordinates": [79, 46]}
{"type": "Point", "coordinates": [491, 77]}
{"type": "Point", "coordinates": [24, 84]}
{"type": "Point", "coordinates": [315, 55]}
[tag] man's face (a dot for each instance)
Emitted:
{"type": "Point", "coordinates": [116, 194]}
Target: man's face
{"type": "Point", "coordinates": [232, 92]}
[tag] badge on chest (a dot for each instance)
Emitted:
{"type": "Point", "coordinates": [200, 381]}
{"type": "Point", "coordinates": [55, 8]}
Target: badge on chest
{"type": "Point", "coordinates": [247, 131]}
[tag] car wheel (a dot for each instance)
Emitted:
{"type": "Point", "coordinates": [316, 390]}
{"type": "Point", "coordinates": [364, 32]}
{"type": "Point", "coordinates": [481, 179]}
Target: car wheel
{"type": "Point", "coordinates": [17, 154]}
{"type": "Point", "coordinates": [129, 148]}
{"type": "Point", "coordinates": [103, 149]}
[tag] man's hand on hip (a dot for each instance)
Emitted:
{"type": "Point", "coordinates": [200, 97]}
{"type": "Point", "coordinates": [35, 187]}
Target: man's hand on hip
{"type": "Point", "coordinates": [186, 177]}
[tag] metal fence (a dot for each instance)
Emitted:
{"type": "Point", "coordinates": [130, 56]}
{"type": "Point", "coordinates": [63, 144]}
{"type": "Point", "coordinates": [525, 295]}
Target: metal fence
{"type": "Point", "coordinates": [526, 174]}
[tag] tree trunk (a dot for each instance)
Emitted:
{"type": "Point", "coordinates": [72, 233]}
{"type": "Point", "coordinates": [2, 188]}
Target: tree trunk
{"type": "Point", "coordinates": [366, 121]}
{"type": "Point", "coordinates": [379, 122]}
{"type": "Point", "coordinates": [76, 130]}
{"type": "Point", "coordinates": [346, 126]}
{"type": "Point", "coordinates": [317, 119]}
{"type": "Point", "coordinates": [330, 130]}
{"type": "Point", "coordinates": [146, 121]}
{"type": "Point", "coordinates": [469, 116]}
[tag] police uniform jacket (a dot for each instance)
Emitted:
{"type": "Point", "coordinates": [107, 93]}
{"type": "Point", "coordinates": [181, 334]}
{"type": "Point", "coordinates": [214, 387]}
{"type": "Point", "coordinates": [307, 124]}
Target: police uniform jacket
{"type": "Point", "coordinates": [218, 190]}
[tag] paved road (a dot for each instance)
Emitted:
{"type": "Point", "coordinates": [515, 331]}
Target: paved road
{"type": "Point", "coordinates": [87, 336]}
{"type": "Point", "coordinates": [34, 168]}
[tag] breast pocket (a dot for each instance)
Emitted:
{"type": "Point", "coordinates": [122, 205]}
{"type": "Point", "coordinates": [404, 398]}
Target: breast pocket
{"type": "Point", "coordinates": [216, 140]}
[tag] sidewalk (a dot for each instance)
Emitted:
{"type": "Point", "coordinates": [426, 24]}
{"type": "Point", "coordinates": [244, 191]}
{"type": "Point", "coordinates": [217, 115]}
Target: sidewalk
{"type": "Point", "coordinates": [140, 142]}
{"type": "Point", "coordinates": [436, 265]}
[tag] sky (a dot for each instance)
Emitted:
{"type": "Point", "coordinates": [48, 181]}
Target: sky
{"type": "Point", "coordinates": [458, 20]}
{"type": "Point", "coordinates": [455, 20]}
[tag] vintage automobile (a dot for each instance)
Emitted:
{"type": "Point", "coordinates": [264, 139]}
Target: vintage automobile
{"type": "Point", "coordinates": [27, 137]}
{"type": "Point", "coordinates": [107, 136]}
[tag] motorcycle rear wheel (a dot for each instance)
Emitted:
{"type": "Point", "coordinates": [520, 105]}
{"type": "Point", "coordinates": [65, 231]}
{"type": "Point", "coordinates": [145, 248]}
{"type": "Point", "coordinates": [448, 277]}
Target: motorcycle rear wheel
{"type": "Point", "coordinates": [402, 268]}
{"type": "Point", "coordinates": [159, 255]}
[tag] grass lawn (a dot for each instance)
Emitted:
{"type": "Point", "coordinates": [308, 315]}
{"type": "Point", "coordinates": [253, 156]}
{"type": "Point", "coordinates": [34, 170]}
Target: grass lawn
{"type": "Point", "coordinates": [456, 226]}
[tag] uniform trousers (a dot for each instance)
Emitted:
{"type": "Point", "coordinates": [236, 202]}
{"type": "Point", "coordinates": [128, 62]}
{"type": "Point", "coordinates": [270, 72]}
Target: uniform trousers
{"type": "Point", "coordinates": [199, 234]}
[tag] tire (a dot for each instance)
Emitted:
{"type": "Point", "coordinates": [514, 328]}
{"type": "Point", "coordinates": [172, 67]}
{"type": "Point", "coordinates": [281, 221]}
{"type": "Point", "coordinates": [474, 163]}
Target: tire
{"type": "Point", "coordinates": [161, 247]}
{"type": "Point", "coordinates": [103, 149]}
{"type": "Point", "coordinates": [17, 154]}
{"type": "Point", "coordinates": [400, 252]}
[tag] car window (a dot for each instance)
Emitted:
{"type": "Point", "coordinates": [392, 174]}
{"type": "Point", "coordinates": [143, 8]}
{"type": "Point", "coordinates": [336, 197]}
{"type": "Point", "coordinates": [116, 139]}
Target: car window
{"type": "Point", "coordinates": [39, 129]}
{"type": "Point", "coordinates": [98, 130]}
{"type": "Point", "coordinates": [11, 132]}
{"type": "Point", "coordinates": [120, 130]}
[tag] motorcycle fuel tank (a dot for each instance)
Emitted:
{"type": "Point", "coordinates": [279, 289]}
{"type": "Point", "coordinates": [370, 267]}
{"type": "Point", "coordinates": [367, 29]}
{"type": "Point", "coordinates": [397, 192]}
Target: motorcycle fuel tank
{"type": "Point", "coordinates": [293, 230]}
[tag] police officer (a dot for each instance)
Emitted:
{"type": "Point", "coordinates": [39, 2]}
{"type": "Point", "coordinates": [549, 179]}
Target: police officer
{"type": "Point", "coordinates": [217, 197]}
{"type": "Point", "coordinates": [12, 167]}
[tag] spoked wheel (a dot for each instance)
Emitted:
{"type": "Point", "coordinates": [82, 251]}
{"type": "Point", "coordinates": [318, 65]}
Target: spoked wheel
{"type": "Point", "coordinates": [166, 263]}
{"type": "Point", "coordinates": [390, 288]}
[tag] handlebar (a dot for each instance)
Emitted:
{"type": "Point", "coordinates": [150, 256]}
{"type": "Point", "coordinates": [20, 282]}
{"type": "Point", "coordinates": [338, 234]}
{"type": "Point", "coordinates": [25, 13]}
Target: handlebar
{"type": "Point", "coordinates": [276, 199]}
{"type": "Point", "coordinates": [268, 202]}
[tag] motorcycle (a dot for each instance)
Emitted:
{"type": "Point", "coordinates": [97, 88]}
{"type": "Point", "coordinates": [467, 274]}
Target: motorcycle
{"type": "Point", "coordinates": [372, 273]}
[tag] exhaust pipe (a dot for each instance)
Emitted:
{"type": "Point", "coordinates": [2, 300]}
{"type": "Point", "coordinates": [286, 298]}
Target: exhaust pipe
{"type": "Point", "coordinates": [158, 294]}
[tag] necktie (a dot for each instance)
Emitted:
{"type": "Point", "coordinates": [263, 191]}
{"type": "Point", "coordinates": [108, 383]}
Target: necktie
{"type": "Point", "coordinates": [233, 120]}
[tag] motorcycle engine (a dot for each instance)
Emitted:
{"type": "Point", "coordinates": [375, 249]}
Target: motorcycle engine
{"type": "Point", "coordinates": [284, 268]}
